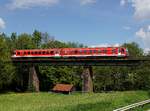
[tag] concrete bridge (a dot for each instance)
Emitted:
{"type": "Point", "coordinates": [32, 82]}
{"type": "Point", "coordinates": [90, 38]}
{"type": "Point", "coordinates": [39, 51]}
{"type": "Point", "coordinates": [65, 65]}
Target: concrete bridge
{"type": "Point", "coordinates": [87, 63]}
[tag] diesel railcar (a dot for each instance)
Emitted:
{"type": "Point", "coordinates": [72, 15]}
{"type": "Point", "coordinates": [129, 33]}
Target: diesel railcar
{"type": "Point", "coordinates": [73, 52]}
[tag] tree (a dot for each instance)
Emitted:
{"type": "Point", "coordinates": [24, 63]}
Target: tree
{"type": "Point", "coordinates": [46, 38]}
{"type": "Point", "coordinates": [55, 44]}
{"type": "Point", "coordinates": [24, 41]}
{"type": "Point", "coordinates": [7, 71]}
{"type": "Point", "coordinates": [37, 38]}
{"type": "Point", "coordinates": [13, 36]}
{"type": "Point", "coordinates": [133, 49]}
{"type": "Point", "coordinates": [142, 76]}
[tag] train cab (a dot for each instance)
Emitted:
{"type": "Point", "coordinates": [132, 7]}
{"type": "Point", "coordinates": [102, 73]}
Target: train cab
{"type": "Point", "coordinates": [122, 52]}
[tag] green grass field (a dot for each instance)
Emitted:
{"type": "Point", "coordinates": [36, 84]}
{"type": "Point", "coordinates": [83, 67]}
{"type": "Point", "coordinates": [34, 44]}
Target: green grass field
{"type": "Point", "coordinates": [72, 102]}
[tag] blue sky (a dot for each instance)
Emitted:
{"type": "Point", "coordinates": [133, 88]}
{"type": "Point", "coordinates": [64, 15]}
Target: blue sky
{"type": "Point", "coordinates": [92, 22]}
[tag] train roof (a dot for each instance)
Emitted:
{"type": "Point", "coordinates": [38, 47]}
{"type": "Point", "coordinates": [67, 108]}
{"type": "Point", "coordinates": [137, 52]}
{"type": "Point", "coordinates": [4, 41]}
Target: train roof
{"type": "Point", "coordinates": [64, 48]}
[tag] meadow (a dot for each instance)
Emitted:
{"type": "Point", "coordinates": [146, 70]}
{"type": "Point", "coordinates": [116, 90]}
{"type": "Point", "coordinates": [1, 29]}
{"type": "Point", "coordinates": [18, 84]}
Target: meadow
{"type": "Point", "coordinates": [74, 102]}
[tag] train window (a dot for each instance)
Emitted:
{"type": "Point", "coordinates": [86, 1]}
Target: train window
{"type": "Point", "coordinates": [57, 52]}
{"type": "Point", "coordinates": [95, 51]}
{"type": "Point", "coordinates": [65, 52]}
{"type": "Point", "coordinates": [113, 51]}
{"type": "Point", "coordinates": [18, 53]}
{"type": "Point", "coordinates": [47, 52]}
{"type": "Point", "coordinates": [69, 52]}
{"type": "Point", "coordinates": [52, 52]}
{"type": "Point", "coordinates": [39, 52]}
{"type": "Point", "coordinates": [28, 53]}
{"type": "Point", "coordinates": [80, 51]}
{"type": "Point", "coordinates": [35, 52]}
{"type": "Point", "coordinates": [105, 51]}
{"type": "Point", "coordinates": [43, 52]}
{"type": "Point", "coordinates": [25, 53]}
{"type": "Point", "coordinates": [72, 52]}
{"type": "Point", "coordinates": [32, 53]}
{"type": "Point", "coordinates": [75, 51]}
{"type": "Point", "coordinates": [85, 51]}
{"type": "Point", "coordinates": [91, 51]}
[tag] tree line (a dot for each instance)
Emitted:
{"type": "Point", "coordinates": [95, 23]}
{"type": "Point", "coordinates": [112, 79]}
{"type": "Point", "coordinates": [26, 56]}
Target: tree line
{"type": "Point", "coordinates": [15, 77]}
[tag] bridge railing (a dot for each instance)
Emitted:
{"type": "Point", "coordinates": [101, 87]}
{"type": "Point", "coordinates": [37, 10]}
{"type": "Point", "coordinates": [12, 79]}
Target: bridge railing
{"type": "Point", "coordinates": [133, 105]}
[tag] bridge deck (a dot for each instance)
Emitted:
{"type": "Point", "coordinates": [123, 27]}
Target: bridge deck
{"type": "Point", "coordinates": [81, 61]}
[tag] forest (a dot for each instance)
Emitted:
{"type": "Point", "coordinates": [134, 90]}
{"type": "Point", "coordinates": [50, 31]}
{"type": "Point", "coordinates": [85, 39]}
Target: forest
{"type": "Point", "coordinates": [15, 77]}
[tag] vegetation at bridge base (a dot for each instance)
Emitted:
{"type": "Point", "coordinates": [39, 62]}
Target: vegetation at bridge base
{"type": "Point", "coordinates": [72, 102]}
{"type": "Point", "coordinates": [15, 77]}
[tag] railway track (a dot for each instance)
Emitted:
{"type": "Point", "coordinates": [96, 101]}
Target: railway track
{"type": "Point", "coordinates": [129, 107]}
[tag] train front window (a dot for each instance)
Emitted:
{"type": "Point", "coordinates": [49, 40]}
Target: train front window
{"type": "Point", "coordinates": [122, 51]}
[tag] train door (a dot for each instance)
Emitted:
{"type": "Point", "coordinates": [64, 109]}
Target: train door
{"type": "Point", "coordinates": [57, 53]}
{"type": "Point", "coordinates": [109, 51]}
{"type": "Point", "coordinates": [121, 52]}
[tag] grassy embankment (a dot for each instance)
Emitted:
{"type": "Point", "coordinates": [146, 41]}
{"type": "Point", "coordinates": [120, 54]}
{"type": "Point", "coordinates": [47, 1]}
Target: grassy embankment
{"type": "Point", "coordinates": [73, 102]}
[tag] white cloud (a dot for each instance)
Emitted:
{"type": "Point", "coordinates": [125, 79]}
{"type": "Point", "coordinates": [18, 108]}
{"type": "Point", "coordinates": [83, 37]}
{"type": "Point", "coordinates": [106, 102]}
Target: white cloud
{"type": "Point", "coordinates": [85, 2]}
{"type": "Point", "coordinates": [123, 2]}
{"type": "Point", "coordinates": [23, 4]}
{"type": "Point", "coordinates": [2, 24]}
{"type": "Point", "coordinates": [147, 51]}
{"type": "Point", "coordinates": [144, 35]}
{"type": "Point", "coordinates": [126, 27]}
{"type": "Point", "coordinates": [141, 7]}
{"type": "Point", "coordinates": [106, 45]}
{"type": "Point", "coordinates": [149, 28]}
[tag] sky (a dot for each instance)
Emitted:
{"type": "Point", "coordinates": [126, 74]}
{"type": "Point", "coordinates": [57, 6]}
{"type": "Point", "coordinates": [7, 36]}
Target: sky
{"type": "Point", "coordinates": [91, 22]}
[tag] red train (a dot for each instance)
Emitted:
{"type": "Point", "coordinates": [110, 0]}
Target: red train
{"type": "Point", "coordinates": [73, 52]}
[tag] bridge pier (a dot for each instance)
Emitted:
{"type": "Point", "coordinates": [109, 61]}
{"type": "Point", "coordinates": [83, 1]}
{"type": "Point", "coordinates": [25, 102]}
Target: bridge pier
{"type": "Point", "coordinates": [33, 83]}
{"type": "Point", "coordinates": [87, 83]}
